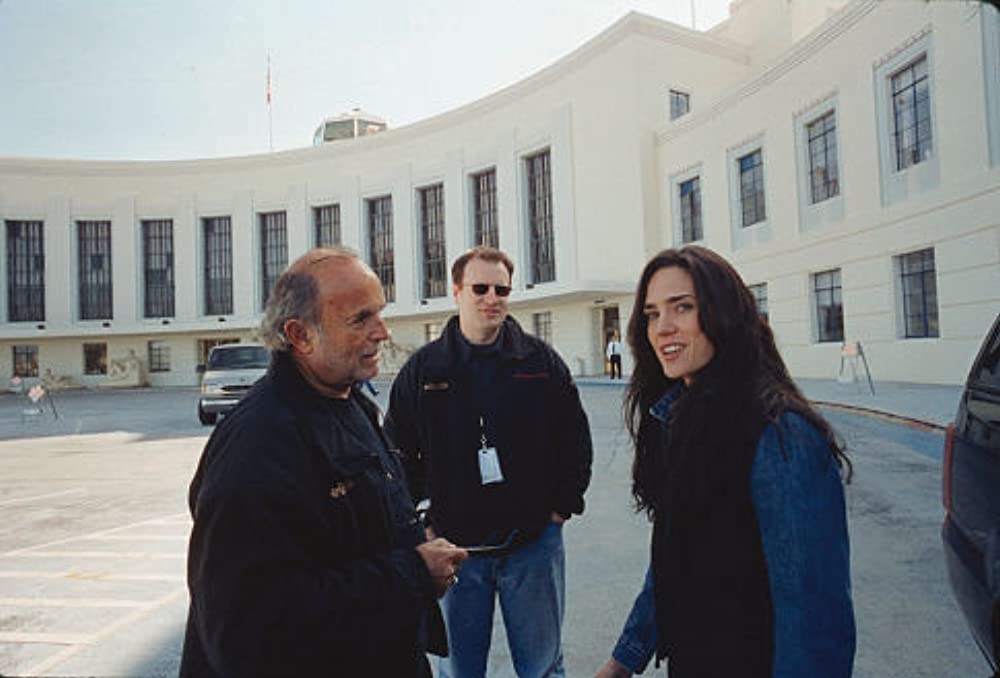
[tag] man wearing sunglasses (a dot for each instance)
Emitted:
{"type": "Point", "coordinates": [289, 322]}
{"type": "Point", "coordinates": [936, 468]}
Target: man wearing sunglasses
{"type": "Point", "coordinates": [491, 430]}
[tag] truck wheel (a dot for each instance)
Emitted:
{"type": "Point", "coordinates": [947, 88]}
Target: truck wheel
{"type": "Point", "coordinates": [206, 418]}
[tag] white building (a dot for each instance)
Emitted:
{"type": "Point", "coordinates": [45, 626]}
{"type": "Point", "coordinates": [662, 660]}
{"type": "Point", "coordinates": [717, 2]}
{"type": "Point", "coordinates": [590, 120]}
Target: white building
{"type": "Point", "coordinates": [844, 155]}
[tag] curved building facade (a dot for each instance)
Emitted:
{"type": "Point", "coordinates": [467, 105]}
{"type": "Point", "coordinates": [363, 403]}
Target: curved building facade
{"type": "Point", "coordinates": [843, 155]}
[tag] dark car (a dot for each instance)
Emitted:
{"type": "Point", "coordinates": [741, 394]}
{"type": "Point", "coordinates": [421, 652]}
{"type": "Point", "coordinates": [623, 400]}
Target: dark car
{"type": "Point", "coordinates": [971, 531]}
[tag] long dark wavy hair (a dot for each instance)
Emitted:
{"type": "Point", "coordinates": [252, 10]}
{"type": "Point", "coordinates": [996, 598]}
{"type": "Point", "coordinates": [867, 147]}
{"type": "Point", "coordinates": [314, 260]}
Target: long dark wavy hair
{"type": "Point", "coordinates": [717, 420]}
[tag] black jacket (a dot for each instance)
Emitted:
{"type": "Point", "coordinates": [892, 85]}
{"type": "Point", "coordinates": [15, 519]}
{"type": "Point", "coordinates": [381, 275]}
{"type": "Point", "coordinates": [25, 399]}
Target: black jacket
{"type": "Point", "coordinates": [541, 433]}
{"type": "Point", "coordinates": [302, 559]}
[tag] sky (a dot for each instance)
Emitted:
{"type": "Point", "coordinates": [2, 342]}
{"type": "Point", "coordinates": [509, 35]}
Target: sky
{"type": "Point", "coordinates": [184, 79]}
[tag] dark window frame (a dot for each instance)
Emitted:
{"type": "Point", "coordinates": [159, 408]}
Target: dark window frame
{"type": "Point", "coordinates": [326, 225]}
{"type": "Point", "coordinates": [541, 324]}
{"type": "Point", "coordinates": [95, 358]}
{"type": "Point", "coordinates": [541, 231]}
{"type": "Point", "coordinates": [824, 170]}
{"type": "Point", "coordinates": [750, 172]}
{"type": "Point", "coordinates": [158, 355]}
{"type": "Point", "coordinates": [680, 103]}
{"type": "Point", "coordinates": [25, 358]}
{"type": "Point", "coordinates": [909, 90]}
{"type": "Point", "coordinates": [381, 252]}
{"type": "Point", "coordinates": [158, 268]}
{"type": "Point", "coordinates": [432, 241]}
{"type": "Point", "coordinates": [273, 250]}
{"type": "Point", "coordinates": [484, 208]}
{"type": "Point", "coordinates": [95, 275]}
{"type": "Point", "coordinates": [689, 194]}
{"type": "Point", "coordinates": [759, 292]}
{"type": "Point", "coordinates": [829, 304]}
{"type": "Point", "coordinates": [918, 286]}
{"type": "Point", "coordinates": [25, 271]}
{"type": "Point", "coordinates": [217, 269]}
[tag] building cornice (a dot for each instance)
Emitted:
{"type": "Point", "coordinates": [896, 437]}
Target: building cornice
{"type": "Point", "coordinates": [807, 48]}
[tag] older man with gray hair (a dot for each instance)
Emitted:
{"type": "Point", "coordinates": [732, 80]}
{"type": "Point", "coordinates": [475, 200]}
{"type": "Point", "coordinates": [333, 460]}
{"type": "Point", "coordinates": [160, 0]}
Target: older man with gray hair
{"type": "Point", "coordinates": [306, 557]}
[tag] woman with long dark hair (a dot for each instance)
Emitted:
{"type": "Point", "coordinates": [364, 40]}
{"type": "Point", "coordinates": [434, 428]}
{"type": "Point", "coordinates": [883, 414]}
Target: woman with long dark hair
{"type": "Point", "coordinates": [743, 482]}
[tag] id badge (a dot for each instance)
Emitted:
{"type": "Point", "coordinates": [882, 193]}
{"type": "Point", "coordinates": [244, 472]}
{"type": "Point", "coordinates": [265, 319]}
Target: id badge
{"type": "Point", "coordinates": [489, 466]}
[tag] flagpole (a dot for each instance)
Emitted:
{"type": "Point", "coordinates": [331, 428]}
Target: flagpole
{"type": "Point", "coordinates": [694, 26]}
{"type": "Point", "coordinates": [270, 121]}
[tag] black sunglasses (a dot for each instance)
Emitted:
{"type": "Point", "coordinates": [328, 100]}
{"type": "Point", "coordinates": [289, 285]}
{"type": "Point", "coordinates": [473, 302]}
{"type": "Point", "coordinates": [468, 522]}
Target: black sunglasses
{"type": "Point", "coordinates": [482, 288]}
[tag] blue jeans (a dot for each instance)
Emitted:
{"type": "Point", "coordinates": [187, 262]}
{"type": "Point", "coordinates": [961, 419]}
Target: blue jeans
{"type": "Point", "coordinates": [531, 585]}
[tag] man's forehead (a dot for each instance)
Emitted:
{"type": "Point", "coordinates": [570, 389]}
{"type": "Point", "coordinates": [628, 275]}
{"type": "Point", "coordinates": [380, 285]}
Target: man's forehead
{"type": "Point", "coordinates": [481, 268]}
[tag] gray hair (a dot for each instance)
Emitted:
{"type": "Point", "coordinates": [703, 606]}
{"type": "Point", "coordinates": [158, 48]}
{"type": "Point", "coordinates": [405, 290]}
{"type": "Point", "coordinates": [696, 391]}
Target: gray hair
{"type": "Point", "coordinates": [296, 297]}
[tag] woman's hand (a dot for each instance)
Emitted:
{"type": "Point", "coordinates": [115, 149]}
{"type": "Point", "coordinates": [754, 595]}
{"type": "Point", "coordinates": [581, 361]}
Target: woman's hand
{"type": "Point", "coordinates": [612, 669]}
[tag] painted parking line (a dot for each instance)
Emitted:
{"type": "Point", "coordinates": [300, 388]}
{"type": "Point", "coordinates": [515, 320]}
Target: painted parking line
{"type": "Point", "coordinates": [174, 519]}
{"type": "Point", "coordinates": [123, 555]}
{"type": "Point", "coordinates": [128, 620]}
{"type": "Point", "coordinates": [72, 602]}
{"type": "Point", "coordinates": [99, 575]}
{"type": "Point", "coordinates": [37, 497]}
{"type": "Point", "coordinates": [45, 638]}
{"type": "Point", "coordinates": [137, 537]}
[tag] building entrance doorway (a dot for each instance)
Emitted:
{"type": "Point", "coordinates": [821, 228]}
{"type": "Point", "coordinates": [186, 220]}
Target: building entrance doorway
{"type": "Point", "coordinates": [610, 328]}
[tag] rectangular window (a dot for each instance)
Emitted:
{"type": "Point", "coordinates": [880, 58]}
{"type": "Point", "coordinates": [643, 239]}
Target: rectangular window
{"type": "Point", "coordinates": [327, 224]}
{"type": "Point", "coordinates": [206, 345]}
{"type": "Point", "coordinates": [919, 291]}
{"type": "Point", "coordinates": [541, 236]}
{"type": "Point", "coordinates": [158, 267]}
{"type": "Point", "coordinates": [159, 356]}
{"type": "Point", "coordinates": [911, 114]}
{"type": "Point", "coordinates": [94, 247]}
{"type": "Point", "coordinates": [829, 307]}
{"type": "Point", "coordinates": [432, 241]}
{"type": "Point", "coordinates": [273, 251]}
{"type": "Point", "coordinates": [380, 249]}
{"type": "Point", "coordinates": [751, 169]}
{"type": "Point", "coordinates": [759, 293]}
{"type": "Point", "coordinates": [25, 271]}
{"type": "Point", "coordinates": [218, 266]}
{"type": "Point", "coordinates": [680, 103]}
{"type": "Point", "coordinates": [26, 360]}
{"type": "Point", "coordinates": [690, 195]}
{"type": "Point", "coordinates": [431, 332]}
{"type": "Point", "coordinates": [823, 172]}
{"type": "Point", "coordinates": [484, 206]}
{"type": "Point", "coordinates": [95, 358]}
{"type": "Point", "coordinates": [542, 323]}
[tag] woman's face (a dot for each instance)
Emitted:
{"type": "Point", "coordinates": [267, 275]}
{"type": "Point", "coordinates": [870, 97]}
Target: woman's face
{"type": "Point", "coordinates": [673, 330]}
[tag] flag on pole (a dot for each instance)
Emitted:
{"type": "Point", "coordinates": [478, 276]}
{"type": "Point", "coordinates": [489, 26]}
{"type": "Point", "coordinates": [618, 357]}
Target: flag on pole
{"type": "Point", "coordinates": [268, 79]}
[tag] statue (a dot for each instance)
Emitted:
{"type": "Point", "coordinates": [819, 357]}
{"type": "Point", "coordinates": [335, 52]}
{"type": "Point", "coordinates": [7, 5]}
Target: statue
{"type": "Point", "coordinates": [58, 382]}
{"type": "Point", "coordinates": [124, 372]}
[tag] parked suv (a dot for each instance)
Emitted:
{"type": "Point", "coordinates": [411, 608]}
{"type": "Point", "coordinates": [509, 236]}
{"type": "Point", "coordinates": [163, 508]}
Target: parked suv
{"type": "Point", "coordinates": [971, 531]}
{"type": "Point", "coordinates": [230, 372]}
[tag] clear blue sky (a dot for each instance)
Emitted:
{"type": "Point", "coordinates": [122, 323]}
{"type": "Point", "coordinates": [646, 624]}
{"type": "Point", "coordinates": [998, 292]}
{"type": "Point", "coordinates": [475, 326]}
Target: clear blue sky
{"type": "Point", "coordinates": [168, 79]}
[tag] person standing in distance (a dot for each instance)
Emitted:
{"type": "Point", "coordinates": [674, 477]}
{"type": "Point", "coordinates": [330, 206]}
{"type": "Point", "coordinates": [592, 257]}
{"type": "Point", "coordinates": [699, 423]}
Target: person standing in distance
{"type": "Point", "coordinates": [306, 557]}
{"type": "Point", "coordinates": [614, 355]}
{"type": "Point", "coordinates": [491, 430]}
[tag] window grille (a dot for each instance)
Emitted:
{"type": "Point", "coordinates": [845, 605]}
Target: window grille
{"type": "Point", "coordinates": [273, 251]}
{"type": "Point", "coordinates": [431, 332]}
{"type": "Point", "coordinates": [829, 306]}
{"type": "Point", "coordinates": [823, 170]}
{"type": "Point", "coordinates": [690, 195]}
{"type": "Point", "coordinates": [759, 293]}
{"type": "Point", "coordinates": [95, 358]}
{"type": "Point", "coordinates": [484, 201]}
{"type": "Point", "coordinates": [541, 237]}
{"type": "Point", "coordinates": [159, 356]}
{"type": "Point", "coordinates": [158, 266]}
{"type": "Point", "coordinates": [95, 270]}
{"type": "Point", "coordinates": [751, 168]}
{"type": "Point", "coordinates": [919, 286]}
{"type": "Point", "coordinates": [542, 323]}
{"type": "Point", "coordinates": [218, 266]}
{"type": "Point", "coordinates": [911, 114]}
{"type": "Point", "coordinates": [25, 271]}
{"type": "Point", "coordinates": [25, 360]}
{"type": "Point", "coordinates": [327, 223]}
{"type": "Point", "coordinates": [380, 243]}
{"type": "Point", "coordinates": [432, 237]}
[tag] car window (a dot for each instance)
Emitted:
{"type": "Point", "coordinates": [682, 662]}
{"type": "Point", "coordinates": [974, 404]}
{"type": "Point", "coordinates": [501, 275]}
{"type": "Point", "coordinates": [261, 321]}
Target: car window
{"type": "Point", "coordinates": [248, 357]}
{"type": "Point", "coordinates": [987, 371]}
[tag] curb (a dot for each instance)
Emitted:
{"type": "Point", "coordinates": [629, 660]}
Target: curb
{"type": "Point", "coordinates": [918, 424]}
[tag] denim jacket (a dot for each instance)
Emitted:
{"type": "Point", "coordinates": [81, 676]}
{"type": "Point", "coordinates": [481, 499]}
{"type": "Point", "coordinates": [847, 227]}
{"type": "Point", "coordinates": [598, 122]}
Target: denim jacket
{"type": "Point", "coordinates": [798, 496]}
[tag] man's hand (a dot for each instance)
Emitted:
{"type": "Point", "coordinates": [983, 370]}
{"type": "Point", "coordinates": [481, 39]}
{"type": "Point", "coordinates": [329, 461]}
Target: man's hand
{"type": "Point", "coordinates": [442, 559]}
{"type": "Point", "coordinates": [612, 669]}
{"type": "Point", "coordinates": [557, 519]}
